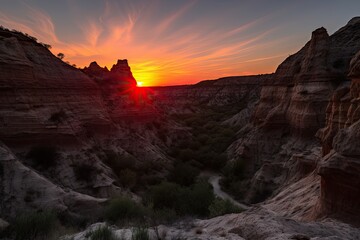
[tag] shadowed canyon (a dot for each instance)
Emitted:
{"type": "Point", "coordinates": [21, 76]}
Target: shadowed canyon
{"type": "Point", "coordinates": [87, 150]}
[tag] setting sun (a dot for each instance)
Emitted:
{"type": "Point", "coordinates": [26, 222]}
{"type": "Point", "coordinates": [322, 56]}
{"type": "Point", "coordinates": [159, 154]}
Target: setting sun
{"type": "Point", "coordinates": [139, 84]}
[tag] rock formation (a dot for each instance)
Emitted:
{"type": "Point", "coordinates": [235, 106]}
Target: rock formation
{"type": "Point", "coordinates": [293, 107]}
{"type": "Point", "coordinates": [340, 166]}
{"type": "Point", "coordinates": [46, 103]}
{"type": "Point", "coordinates": [44, 100]}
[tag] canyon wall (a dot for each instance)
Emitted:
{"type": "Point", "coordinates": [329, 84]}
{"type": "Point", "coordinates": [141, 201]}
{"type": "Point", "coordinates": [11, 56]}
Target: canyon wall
{"type": "Point", "coordinates": [47, 106]}
{"type": "Point", "coordinates": [340, 167]}
{"type": "Point", "coordinates": [308, 92]}
{"type": "Point", "coordinates": [43, 99]}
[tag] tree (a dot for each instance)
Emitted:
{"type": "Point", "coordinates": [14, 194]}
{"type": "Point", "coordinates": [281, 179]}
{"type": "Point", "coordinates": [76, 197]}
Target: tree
{"type": "Point", "coordinates": [60, 55]}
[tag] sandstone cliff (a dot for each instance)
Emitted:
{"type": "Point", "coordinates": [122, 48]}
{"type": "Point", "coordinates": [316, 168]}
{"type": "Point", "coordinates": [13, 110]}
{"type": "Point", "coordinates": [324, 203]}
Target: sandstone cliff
{"type": "Point", "coordinates": [279, 146]}
{"type": "Point", "coordinates": [340, 166]}
{"type": "Point", "coordinates": [48, 104]}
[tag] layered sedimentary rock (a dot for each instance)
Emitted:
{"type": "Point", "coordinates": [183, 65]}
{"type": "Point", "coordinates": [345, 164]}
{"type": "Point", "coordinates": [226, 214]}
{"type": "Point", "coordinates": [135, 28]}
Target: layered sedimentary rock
{"type": "Point", "coordinates": [43, 99]}
{"type": "Point", "coordinates": [238, 92]}
{"type": "Point", "coordinates": [293, 107]}
{"type": "Point", "coordinates": [340, 167]}
{"type": "Point", "coordinates": [23, 189]}
{"type": "Point", "coordinates": [45, 102]}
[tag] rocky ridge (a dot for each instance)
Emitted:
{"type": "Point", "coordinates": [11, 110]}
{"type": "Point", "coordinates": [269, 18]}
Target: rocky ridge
{"type": "Point", "coordinates": [279, 145]}
{"type": "Point", "coordinates": [48, 104]}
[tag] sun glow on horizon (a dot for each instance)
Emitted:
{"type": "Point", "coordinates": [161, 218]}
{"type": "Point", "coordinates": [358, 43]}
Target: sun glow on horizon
{"type": "Point", "coordinates": [168, 42]}
{"type": "Point", "coordinates": [139, 84]}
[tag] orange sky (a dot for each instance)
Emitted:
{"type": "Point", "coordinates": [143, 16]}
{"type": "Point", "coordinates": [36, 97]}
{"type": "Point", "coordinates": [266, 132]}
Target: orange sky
{"type": "Point", "coordinates": [170, 42]}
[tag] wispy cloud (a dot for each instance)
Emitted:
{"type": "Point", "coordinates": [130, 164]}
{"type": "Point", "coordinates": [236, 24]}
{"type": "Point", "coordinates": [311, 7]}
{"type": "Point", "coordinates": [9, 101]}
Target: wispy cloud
{"type": "Point", "coordinates": [158, 52]}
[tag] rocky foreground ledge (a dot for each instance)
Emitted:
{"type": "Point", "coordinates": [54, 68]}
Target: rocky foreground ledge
{"type": "Point", "coordinates": [256, 223]}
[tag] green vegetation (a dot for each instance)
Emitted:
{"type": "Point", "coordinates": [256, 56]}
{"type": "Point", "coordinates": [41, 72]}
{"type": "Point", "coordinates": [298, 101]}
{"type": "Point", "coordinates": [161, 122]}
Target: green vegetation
{"type": "Point", "coordinates": [183, 174]}
{"type": "Point", "coordinates": [58, 117]}
{"type": "Point", "coordinates": [140, 233]}
{"type": "Point", "coordinates": [43, 156]}
{"type": "Point", "coordinates": [234, 173]}
{"type": "Point", "coordinates": [1, 169]}
{"type": "Point", "coordinates": [210, 138]}
{"type": "Point", "coordinates": [128, 178]}
{"type": "Point", "coordinates": [193, 200]}
{"type": "Point", "coordinates": [34, 226]}
{"type": "Point", "coordinates": [84, 172]}
{"type": "Point", "coordinates": [220, 207]}
{"type": "Point", "coordinates": [101, 233]}
{"type": "Point", "coordinates": [124, 210]}
{"type": "Point", "coordinates": [118, 162]}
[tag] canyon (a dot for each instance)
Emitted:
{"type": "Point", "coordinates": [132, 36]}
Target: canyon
{"type": "Point", "coordinates": [297, 138]}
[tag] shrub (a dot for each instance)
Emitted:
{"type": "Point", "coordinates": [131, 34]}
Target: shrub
{"type": "Point", "coordinates": [34, 225]}
{"type": "Point", "coordinates": [164, 195]}
{"type": "Point", "coordinates": [84, 172]}
{"type": "Point", "coordinates": [194, 200]}
{"type": "Point", "coordinates": [102, 233]}
{"type": "Point", "coordinates": [234, 169]}
{"type": "Point", "coordinates": [127, 178]}
{"type": "Point", "coordinates": [58, 117]}
{"type": "Point", "coordinates": [186, 155]}
{"type": "Point", "coordinates": [183, 174]}
{"type": "Point", "coordinates": [124, 209]}
{"type": "Point", "coordinates": [140, 233]}
{"type": "Point", "coordinates": [220, 207]}
{"type": "Point", "coordinates": [1, 169]}
{"type": "Point", "coordinates": [261, 195]}
{"type": "Point", "coordinates": [119, 162]}
{"type": "Point", "coordinates": [44, 156]}
{"type": "Point", "coordinates": [200, 197]}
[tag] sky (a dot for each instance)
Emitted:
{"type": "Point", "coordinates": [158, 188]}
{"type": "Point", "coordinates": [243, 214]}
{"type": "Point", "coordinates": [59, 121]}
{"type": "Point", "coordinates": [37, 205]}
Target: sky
{"type": "Point", "coordinates": [172, 42]}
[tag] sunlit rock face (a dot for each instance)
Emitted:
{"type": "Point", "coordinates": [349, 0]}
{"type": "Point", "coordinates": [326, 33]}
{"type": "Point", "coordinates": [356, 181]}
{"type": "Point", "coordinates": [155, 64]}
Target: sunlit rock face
{"type": "Point", "coordinates": [43, 99]}
{"type": "Point", "coordinates": [293, 107]}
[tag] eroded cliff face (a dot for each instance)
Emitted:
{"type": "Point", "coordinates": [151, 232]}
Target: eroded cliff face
{"type": "Point", "coordinates": [237, 92]}
{"type": "Point", "coordinates": [279, 146]}
{"type": "Point", "coordinates": [44, 102]}
{"type": "Point", "coordinates": [340, 167]}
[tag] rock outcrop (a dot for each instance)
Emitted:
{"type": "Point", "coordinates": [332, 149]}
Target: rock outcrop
{"type": "Point", "coordinates": [237, 92]}
{"type": "Point", "coordinates": [256, 223]}
{"type": "Point", "coordinates": [95, 71]}
{"type": "Point", "coordinates": [23, 189]}
{"type": "Point", "coordinates": [45, 102]}
{"type": "Point", "coordinates": [293, 107]}
{"type": "Point", "coordinates": [340, 166]}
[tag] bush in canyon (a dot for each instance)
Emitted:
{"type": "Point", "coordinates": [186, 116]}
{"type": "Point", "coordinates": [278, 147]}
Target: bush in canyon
{"type": "Point", "coordinates": [128, 178]}
{"type": "Point", "coordinates": [35, 225]}
{"type": "Point", "coordinates": [124, 210]}
{"type": "Point", "coordinates": [220, 207]}
{"type": "Point", "coordinates": [140, 233]}
{"type": "Point", "coordinates": [43, 156]}
{"type": "Point", "coordinates": [58, 117]}
{"type": "Point", "coordinates": [183, 174]}
{"type": "Point", "coordinates": [85, 172]}
{"type": "Point", "coordinates": [193, 200]}
{"type": "Point", "coordinates": [118, 162]}
{"type": "Point", "coordinates": [101, 233]}
{"type": "Point", "coordinates": [234, 173]}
